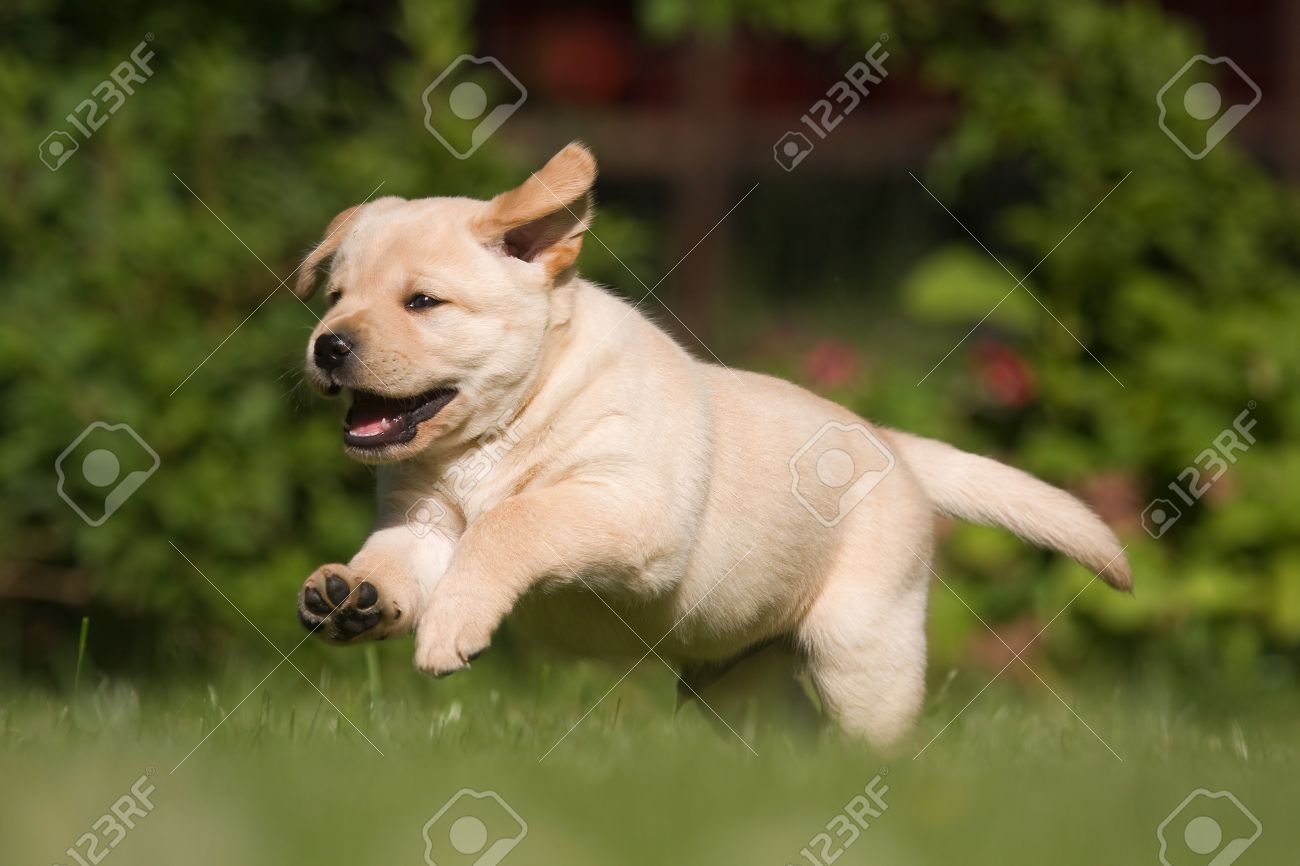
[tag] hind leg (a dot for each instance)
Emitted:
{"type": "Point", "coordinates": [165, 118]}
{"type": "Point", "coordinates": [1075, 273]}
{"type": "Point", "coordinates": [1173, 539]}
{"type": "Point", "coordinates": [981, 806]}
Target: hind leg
{"type": "Point", "coordinates": [756, 693]}
{"type": "Point", "coordinates": [865, 642]}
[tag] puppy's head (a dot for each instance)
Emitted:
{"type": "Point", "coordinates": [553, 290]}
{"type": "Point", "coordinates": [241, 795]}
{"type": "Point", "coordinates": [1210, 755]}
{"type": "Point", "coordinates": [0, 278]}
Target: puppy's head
{"type": "Point", "coordinates": [439, 308]}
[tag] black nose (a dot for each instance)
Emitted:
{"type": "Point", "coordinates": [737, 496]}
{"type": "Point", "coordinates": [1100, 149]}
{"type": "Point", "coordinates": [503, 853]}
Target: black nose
{"type": "Point", "coordinates": [331, 351]}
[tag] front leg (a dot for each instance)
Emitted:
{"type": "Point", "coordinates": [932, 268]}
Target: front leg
{"type": "Point", "coordinates": [381, 592]}
{"type": "Point", "coordinates": [553, 534]}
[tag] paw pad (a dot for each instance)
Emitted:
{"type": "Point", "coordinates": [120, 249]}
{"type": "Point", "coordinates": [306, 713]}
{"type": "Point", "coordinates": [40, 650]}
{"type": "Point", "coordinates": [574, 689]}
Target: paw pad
{"type": "Point", "coordinates": [335, 605]}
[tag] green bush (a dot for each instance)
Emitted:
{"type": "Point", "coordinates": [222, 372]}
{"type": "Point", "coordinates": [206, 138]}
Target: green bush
{"type": "Point", "coordinates": [1183, 284]}
{"type": "Point", "coordinates": [133, 300]}
{"type": "Point", "coordinates": [121, 282]}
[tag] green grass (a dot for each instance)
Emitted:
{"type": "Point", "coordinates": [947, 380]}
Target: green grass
{"type": "Point", "coordinates": [287, 779]}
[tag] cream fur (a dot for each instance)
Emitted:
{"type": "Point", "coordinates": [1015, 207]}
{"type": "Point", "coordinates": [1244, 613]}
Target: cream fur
{"type": "Point", "coordinates": [639, 478]}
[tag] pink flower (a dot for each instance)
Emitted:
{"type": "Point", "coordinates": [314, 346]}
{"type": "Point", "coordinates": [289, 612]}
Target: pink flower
{"type": "Point", "coordinates": [831, 364]}
{"type": "Point", "coordinates": [1004, 374]}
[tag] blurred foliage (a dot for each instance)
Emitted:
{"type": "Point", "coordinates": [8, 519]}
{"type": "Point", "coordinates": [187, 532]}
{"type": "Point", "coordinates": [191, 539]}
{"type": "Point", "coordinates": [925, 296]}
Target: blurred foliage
{"type": "Point", "coordinates": [131, 298]}
{"type": "Point", "coordinates": [1182, 283]}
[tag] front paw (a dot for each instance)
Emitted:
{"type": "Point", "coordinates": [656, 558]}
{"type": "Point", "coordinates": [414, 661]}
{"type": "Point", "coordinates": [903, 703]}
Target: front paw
{"type": "Point", "coordinates": [446, 643]}
{"type": "Point", "coordinates": [341, 605]}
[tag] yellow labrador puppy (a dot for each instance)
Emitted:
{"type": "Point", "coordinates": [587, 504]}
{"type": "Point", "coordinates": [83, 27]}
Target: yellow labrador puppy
{"type": "Point", "coordinates": [547, 452]}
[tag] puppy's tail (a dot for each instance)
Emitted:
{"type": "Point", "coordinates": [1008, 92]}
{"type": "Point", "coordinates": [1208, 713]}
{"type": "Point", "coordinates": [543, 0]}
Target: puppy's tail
{"type": "Point", "coordinates": [990, 493]}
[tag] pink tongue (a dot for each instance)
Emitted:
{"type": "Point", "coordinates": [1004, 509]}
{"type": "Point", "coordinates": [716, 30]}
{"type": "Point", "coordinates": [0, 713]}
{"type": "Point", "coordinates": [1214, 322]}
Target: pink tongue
{"type": "Point", "coordinates": [368, 421]}
{"type": "Point", "coordinates": [369, 428]}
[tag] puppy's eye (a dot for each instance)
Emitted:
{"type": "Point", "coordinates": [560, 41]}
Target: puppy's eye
{"type": "Point", "coordinates": [422, 302]}
{"type": "Point", "coordinates": [332, 298]}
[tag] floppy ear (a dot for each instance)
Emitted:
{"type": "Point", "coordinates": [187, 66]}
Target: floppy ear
{"type": "Point", "coordinates": [309, 270]}
{"type": "Point", "coordinates": [543, 219]}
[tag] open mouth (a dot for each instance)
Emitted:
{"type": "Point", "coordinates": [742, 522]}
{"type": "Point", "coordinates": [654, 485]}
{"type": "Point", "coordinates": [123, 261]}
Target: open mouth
{"type": "Point", "coordinates": [375, 420]}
